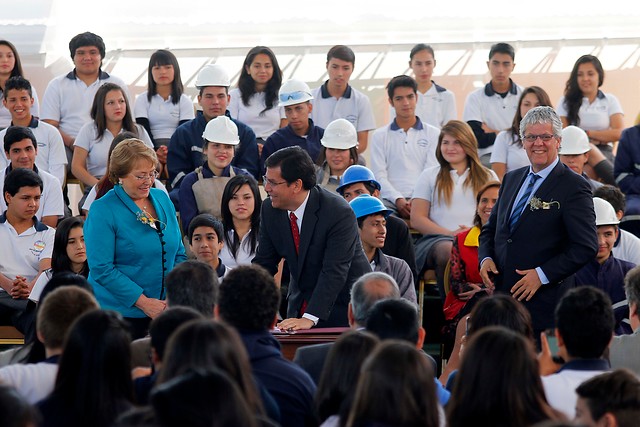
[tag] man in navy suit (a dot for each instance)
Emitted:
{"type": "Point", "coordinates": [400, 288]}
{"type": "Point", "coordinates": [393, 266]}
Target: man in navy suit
{"type": "Point", "coordinates": [542, 229]}
{"type": "Point", "coordinates": [317, 233]}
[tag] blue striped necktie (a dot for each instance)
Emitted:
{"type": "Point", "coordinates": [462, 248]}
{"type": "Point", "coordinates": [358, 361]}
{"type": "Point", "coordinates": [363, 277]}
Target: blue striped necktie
{"type": "Point", "coordinates": [517, 212]}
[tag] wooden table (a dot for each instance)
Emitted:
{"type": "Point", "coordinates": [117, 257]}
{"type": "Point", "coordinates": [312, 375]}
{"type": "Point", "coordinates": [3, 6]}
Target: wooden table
{"type": "Point", "coordinates": [291, 342]}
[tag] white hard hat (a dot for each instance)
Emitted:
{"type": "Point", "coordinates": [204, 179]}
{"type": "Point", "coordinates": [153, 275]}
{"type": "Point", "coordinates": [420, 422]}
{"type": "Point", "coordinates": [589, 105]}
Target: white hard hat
{"type": "Point", "coordinates": [221, 130]}
{"type": "Point", "coordinates": [294, 92]}
{"type": "Point", "coordinates": [605, 213]}
{"type": "Point", "coordinates": [574, 141]}
{"type": "Point", "coordinates": [212, 75]}
{"type": "Point", "coordinates": [340, 134]}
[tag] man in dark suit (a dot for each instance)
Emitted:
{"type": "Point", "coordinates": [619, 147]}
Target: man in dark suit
{"type": "Point", "coordinates": [542, 229]}
{"type": "Point", "coordinates": [316, 232]}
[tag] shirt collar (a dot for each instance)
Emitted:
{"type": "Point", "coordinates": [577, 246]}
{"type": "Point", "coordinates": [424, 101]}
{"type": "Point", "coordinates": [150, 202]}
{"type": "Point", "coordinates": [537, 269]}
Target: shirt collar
{"type": "Point", "coordinates": [544, 173]}
{"type": "Point", "coordinates": [586, 365]}
{"type": "Point", "coordinates": [33, 123]}
{"type": "Point", "coordinates": [299, 213]}
{"type": "Point", "coordinates": [36, 224]}
{"type": "Point", "coordinates": [325, 92]}
{"type": "Point", "coordinates": [417, 125]}
{"type": "Point", "coordinates": [10, 168]}
{"type": "Point", "coordinates": [102, 75]}
{"type": "Point", "coordinates": [472, 239]}
{"type": "Point", "coordinates": [488, 89]}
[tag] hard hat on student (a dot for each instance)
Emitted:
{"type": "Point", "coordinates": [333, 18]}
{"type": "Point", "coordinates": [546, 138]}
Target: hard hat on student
{"type": "Point", "coordinates": [605, 213]}
{"type": "Point", "coordinates": [212, 75]}
{"type": "Point", "coordinates": [222, 131]}
{"type": "Point", "coordinates": [294, 92]}
{"type": "Point", "coordinates": [340, 134]}
{"type": "Point", "coordinates": [574, 141]}
{"type": "Point", "coordinates": [366, 205]}
{"type": "Point", "coordinates": [357, 173]}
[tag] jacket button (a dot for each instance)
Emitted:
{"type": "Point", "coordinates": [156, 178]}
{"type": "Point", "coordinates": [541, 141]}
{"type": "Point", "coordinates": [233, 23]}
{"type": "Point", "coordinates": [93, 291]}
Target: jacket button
{"type": "Point", "coordinates": [509, 240]}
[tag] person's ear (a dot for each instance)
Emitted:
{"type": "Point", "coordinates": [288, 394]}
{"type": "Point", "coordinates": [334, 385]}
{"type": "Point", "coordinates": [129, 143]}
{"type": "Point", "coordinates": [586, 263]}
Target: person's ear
{"type": "Point", "coordinates": [216, 312]}
{"type": "Point", "coordinates": [422, 334]}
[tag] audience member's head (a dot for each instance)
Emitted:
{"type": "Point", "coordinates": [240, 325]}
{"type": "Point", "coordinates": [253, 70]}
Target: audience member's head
{"type": "Point", "coordinates": [15, 410]}
{"type": "Point", "coordinates": [295, 164]}
{"type": "Point", "coordinates": [395, 388]}
{"type": "Point", "coordinates": [396, 319]}
{"type": "Point", "coordinates": [193, 284]}
{"type": "Point", "coordinates": [632, 292]}
{"type": "Point", "coordinates": [164, 325]}
{"type": "Point", "coordinates": [584, 323]}
{"type": "Point", "coordinates": [501, 310]}
{"type": "Point", "coordinates": [613, 195]}
{"type": "Point", "coordinates": [366, 291]}
{"type": "Point", "coordinates": [249, 299]}
{"type": "Point", "coordinates": [610, 399]}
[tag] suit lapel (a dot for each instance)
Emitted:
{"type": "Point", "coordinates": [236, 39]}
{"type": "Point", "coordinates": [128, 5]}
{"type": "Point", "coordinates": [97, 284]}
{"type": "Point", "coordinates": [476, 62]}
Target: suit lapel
{"type": "Point", "coordinates": [309, 223]}
{"type": "Point", "coordinates": [543, 192]}
{"type": "Point", "coordinates": [284, 228]}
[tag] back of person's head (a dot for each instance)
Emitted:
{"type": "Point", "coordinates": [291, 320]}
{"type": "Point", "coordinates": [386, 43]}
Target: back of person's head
{"type": "Point", "coordinates": [341, 371]}
{"type": "Point", "coordinates": [18, 178]}
{"type": "Point", "coordinates": [16, 134]}
{"type": "Point", "coordinates": [585, 321]}
{"type": "Point", "coordinates": [86, 39]}
{"type": "Point", "coordinates": [193, 284]}
{"type": "Point", "coordinates": [614, 393]}
{"type": "Point", "coordinates": [515, 397]}
{"type": "Point", "coordinates": [611, 194]}
{"type": "Point", "coordinates": [632, 290]}
{"type": "Point", "coordinates": [206, 220]}
{"type": "Point", "coordinates": [249, 298]}
{"type": "Point", "coordinates": [501, 310]}
{"type": "Point", "coordinates": [166, 323]}
{"type": "Point", "coordinates": [505, 48]}
{"type": "Point", "coordinates": [201, 398]}
{"type": "Point", "coordinates": [394, 319]}
{"type": "Point", "coordinates": [294, 163]}
{"type": "Point", "coordinates": [396, 388]}
{"type": "Point", "coordinates": [15, 410]}
{"type": "Point", "coordinates": [369, 289]}
{"type": "Point", "coordinates": [60, 309]}
{"type": "Point", "coordinates": [17, 83]}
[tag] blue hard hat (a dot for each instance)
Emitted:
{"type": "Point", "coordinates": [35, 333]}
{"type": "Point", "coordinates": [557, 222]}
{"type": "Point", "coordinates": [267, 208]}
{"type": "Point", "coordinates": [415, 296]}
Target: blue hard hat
{"type": "Point", "coordinates": [357, 173]}
{"type": "Point", "coordinates": [366, 205]}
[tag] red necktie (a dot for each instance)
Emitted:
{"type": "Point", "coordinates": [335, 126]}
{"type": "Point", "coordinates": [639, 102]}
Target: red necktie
{"type": "Point", "coordinates": [295, 231]}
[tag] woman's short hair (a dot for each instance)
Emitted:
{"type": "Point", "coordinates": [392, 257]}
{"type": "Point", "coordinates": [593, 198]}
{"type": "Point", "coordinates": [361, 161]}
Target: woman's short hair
{"type": "Point", "coordinates": [125, 156]}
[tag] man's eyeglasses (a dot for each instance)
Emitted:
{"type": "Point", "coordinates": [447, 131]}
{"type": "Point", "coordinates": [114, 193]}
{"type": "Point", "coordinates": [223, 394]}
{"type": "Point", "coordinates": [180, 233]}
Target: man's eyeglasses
{"type": "Point", "coordinates": [271, 183]}
{"type": "Point", "coordinates": [532, 138]}
{"type": "Point", "coordinates": [295, 96]}
{"type": "Point", "coordinates": [144, 178]}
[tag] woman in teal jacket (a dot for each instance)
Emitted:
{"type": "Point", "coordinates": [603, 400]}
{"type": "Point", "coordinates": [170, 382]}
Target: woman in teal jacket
{"type": "Point", "coordinates": [133, 238]}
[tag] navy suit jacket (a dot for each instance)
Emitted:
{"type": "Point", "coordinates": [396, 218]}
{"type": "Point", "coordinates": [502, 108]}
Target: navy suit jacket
{"type": "Point", "coordinates": [330, 259]}
{"type": "Point", "coordinates": [560, 239]}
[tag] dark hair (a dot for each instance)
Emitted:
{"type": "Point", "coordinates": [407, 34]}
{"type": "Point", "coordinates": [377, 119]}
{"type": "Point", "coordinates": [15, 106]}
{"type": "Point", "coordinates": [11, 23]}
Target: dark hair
{"type": "Point", "coordinates": [249, 298]}
{"type": "Point", "coordinates": [105, 184]}
{"type": "Point", "coordinates": [248, 87]}
{"type": "Point", "coordinates": [322, 156]}
{"type": "Point", "coordinates": [543, 99]}
{"type": "Point", "coordinates": [98, 113]}
{"type": "Point", "coordinates": [401, 81]}
{"type": "Point", "coordinates": [501, 310]}
{"type": "Point", "coordinates": [17, 68]}
{"type": "Point", "coordinates": [572, 93]}
{"type": "Point", "coordinates": [337, 385]}
{"type": "Point", "coordinates": [505, 48]}
{"type": "Point", "coordinates": [230, 190]}
{"type": "Point", "coordinates": [491, 184]}
{"type": "Point", "coordinates": [206, 220]}
{"type": "Point", "coordinates": [419, 48]}
{"type": "Point", "coordinates": [86, 39]}
{"type": "Point", "coordinates": [369, 289]}
{"type": "Point", "coordinates": [395, 388]}
{"type": "Point", "coordinates": [515, 398]}
{"type": "Point", "coordinates": [295, 163]}
{"type": "Point", "coordinates": [193, 284]}
{"type": "Point", "coordinates": [16, 134]}
{"type": "Point", "coordinates": [343, 53]}
{"type": "Point", "coordinates": [632, 289]}
{"type": "Point", "coordinates": [59, 258]}
{"type": "Point", "coordinates": [394, 319]}
{"type": "Point", "coordinates": [166, 323]}
{"type": "Point", "coordinates": [15, 410]}
{"type": "Point", "coordinates": [18, 178]}
{"type": "Point", "coordinates": [613, 195]}
{"type": "Point", "coordinates": [205, 344]}
{"type": "Point", "coordinates": [94, 378]}
{"type": "Point", "coordinates": [17, 83]}
{"type": "Point", "coordinates": [585, 321]}
{"type": "Point", "coordinates": [201, 398]}
{"type": "Point", "coordinates": [165, 57]}
{"type": "Point", "coordinates": [616, 392]}
{"type": "Point", "coordinates": [367, 184]}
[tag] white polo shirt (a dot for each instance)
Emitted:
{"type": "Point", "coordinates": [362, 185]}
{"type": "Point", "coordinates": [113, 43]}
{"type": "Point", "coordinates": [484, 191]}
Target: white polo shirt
{"type": "Point", "coordinates": [98, 149]}
{"type": "Point", "coordinates": [595, 115]}
{"type": "Point", "coordinates": [353, 106]}
{"type": "Point", "coordinates": [68, 100]}
{"type": "Point", "coordinates": [51, 202]}
{"type": "Point", "coordinates": [51, 156]}
{"type": "Point", "coordinates": [398, 157]}
{"type": "Point", "coordinates": [487, 106]}
{"type": "Point", "coordinates": [5, 115]}
{"type": "Point", "coordinates": [436, 106]}
{"type": "Point", "coordinates": [20, 255]}
{"type": "Point", "coordinates": [163, 115]}
{"type": "Point", "coordinates": [263, 123]}
{"type": "Point", "coordinates": [506, 151]}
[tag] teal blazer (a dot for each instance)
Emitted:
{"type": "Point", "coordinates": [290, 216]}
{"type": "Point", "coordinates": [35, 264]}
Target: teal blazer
{"type": "Point", "coordinates": [126, 255]}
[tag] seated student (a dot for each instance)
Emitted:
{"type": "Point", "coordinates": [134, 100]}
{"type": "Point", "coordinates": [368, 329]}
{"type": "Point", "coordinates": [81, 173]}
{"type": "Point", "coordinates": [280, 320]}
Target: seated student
{"type": "Point", "coordinates": [627, 247]}
{"type": "Point", "coordinates": [372, 220]}
{"type": "Point", "coordinates": [21, 148]}
{"type": "Point", "coordinates": [339, 151]}
{"type": "Point", "coordinates": [611, 399]}
{"type": "Point", "coordinates": [336, 99]}
{"type": "Point", "coordinates": [606, 272]}
{"type": "Point", "coordinates": [584, 328]}
{"type": "Point", "coordinates": [575, 151]}
{"type": "Point", "coordinates": [206, 239]}
{"type": "Point", "coordinates": [18, 100]}
{"type": "Point", "coordinates": [401, 150]}
{"type": "Point", "coordinates": [201, 190]}
{"type": "Point", "coordinates": [15, 410]}
{"type": "Point", "coordinates": [624, 349]}
{"type": "Point", "coordinates": [295, 96]}
{"type": "Point", "coordinates": [27, 243]}
{"type": "Point", "coordinates": [62, 306]}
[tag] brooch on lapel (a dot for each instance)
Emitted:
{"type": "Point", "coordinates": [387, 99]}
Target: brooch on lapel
{"type": "Point", "coordinates": [535, 203]}
{"type": "Point", "coordinates": [145, 217]}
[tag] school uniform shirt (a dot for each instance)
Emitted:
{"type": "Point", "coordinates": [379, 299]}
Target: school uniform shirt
{"type": "Point", "coordinates": [164, 116]}
{"type": "Point", "coordinates": [353, 106]}
{"type": "Point", "coordinates": [506, 150]}
{"type": "Point", "coordinates": [595, 115]}
{"type": "Point", "coordinates": [263, 122]}
{"type": "Point", "coordinates": [51, 200]}
{"type": "Point", "coordinates": [436, 106]}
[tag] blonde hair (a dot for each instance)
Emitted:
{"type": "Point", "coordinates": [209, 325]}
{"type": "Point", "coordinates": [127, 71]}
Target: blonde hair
{"type": "Point", "coordinates": [126, 154]}
{"type": "Point", "coordinates": [478, 174]}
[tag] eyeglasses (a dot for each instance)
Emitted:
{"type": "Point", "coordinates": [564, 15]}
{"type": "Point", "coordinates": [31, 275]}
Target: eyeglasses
{"type": "Point", "coordinates": [295, 96]}
{"type": "Point", "coordinates": [271, 183]}
{"type": "Point", "coordinates": [144, 178]}
{"type": "Point", "coordinates": [533, 138]}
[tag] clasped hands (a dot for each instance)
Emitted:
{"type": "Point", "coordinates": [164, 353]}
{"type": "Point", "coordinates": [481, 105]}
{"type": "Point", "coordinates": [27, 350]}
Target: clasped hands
{"type": "Point", "coordinates": [524, 289]}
